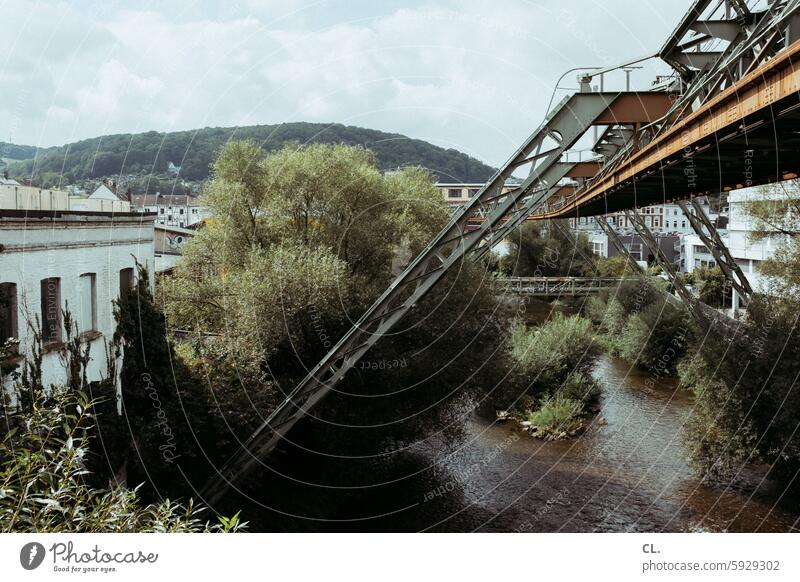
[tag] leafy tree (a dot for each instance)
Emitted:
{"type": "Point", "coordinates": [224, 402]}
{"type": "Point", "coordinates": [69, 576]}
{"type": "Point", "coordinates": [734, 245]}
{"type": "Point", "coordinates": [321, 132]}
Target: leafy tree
{"type": "Point", "coordinates": [544, 250]}
{"type": "Point", "coordinates": [711, 285]}
{"type": "Point", "coordinates": [303, 240]}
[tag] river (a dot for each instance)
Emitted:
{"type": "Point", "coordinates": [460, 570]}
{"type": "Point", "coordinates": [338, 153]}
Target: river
{"type": "Point", "coordinates": [627, 472]}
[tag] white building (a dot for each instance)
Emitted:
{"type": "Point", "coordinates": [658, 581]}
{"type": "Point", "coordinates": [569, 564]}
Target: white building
{"type": "Point", "coordinates": [51, 260]}
{"type": "Point", "coordinates": [172, 210]}
{"type": "Point", "coordinates": [659, 218]}
{"type": "Point", "coordinates": [30, 198]}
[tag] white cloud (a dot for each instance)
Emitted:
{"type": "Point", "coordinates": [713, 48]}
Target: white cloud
{"type": "Point", "coordinates": [474, 75]}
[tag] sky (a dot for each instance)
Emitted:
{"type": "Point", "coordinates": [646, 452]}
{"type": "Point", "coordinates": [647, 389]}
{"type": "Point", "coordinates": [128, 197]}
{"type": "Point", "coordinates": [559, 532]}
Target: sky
{"type": "Point", "coordinates": [475, 75]}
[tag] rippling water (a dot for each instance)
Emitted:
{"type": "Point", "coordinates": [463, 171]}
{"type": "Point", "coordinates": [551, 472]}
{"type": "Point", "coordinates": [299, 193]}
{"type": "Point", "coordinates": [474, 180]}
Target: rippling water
{"type": "Point", "coordinates": [626, 473]}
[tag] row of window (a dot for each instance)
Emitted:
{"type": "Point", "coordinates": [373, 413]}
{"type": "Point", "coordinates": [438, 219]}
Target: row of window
{"type": "Point", "coordinates": [457, 192]}
{"type": "Point", "coordinates": [180, 210]}
{"type": "Point", "coordinates": [50, 313]}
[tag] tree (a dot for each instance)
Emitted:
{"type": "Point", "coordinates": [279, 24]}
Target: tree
{"type": "Point", "coordinates": [547, 250]}
{"type": "Point", "coordinates": [746, 383]}
{"type": "Point", "coordinates": [302, 241]}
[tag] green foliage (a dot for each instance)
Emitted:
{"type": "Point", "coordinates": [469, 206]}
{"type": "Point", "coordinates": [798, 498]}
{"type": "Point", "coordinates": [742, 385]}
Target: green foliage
{"type": "Point", "coordinates": [163, 403]}
{"type": "Point", "coordinates": [638, 324]}
{"type": "Point", "coordinates": [547, 250]}
{"type": "Point", "coordinates": [546, 357]}
{"type": "Point", "coordinates": [746, 392]}
{"type": "Point", "coordinates": [303, 240]}
{"type": "Point", "coordinates": [44, 478]}
{"type": "Point", "coordinates": [711, 285]}
{"type": "Point", "coordinates": [194, 151]}
{"type": "Point", "coordinates": [656, 338]}
{"type": "Point", "coordinates": [557, 418]}
{"type": "Point", "coordinates": [616, 266]}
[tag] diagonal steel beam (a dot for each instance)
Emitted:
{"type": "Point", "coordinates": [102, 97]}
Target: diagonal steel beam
{"type": "Point", "coordinates": [714, 243]}
{"type": "Point", "coordinates": [614, 238]}
{"type": "Point", "coordinates": [666, 265]}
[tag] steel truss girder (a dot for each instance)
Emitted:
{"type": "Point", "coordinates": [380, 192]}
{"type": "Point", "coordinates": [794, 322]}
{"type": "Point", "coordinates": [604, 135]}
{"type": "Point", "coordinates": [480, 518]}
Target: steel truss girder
{"type": "Point", "coordinates": [564, 125]}
{"type": "Point", "coordinates": [650, 241]}
{"type": "Point", "coordinates": [614, 238]}
{"type": "Point", "coordinates": [726, 262]}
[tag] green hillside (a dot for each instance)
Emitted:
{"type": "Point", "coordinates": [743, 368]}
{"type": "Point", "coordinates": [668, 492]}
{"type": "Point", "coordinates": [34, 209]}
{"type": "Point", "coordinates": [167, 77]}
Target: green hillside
{"type": "Point", "coordinates": [193, 151]}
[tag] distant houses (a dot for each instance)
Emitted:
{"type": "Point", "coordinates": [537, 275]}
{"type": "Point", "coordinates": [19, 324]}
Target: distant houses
{"type": "Point", "coordinates": [178, 210]}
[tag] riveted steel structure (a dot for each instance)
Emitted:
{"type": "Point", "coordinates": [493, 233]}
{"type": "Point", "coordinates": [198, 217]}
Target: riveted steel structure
{"type": "Point", "coordinates": [710, 237]}
{"type": "Point", "coordinates": [719, 105]}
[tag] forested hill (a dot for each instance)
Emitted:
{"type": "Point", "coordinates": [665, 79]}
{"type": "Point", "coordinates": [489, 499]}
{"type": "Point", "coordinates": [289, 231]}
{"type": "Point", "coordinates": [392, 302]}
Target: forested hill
{"type": "Point", "coordinates": [194, 151]}
{"type": "Point", "coordinates": [10, 151]}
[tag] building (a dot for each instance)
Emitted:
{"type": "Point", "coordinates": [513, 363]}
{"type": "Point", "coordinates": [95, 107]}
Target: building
{"type": "Point", "coordinates": [168, 245]}
{"type": "Point", "coordinates": [602, 247]}
{"type": "Point", "coordinates": [53, 260]}
{"type": "Point", "coordinates": [17, 197]}
{"type": "Point", "coordinates": [659, 218]}
{"type": "Point", "coordinates": [456, 194]}
{"type": "Point", "coordinates": [171, 210]}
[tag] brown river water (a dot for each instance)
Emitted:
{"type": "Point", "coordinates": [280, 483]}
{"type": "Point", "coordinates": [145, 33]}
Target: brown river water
{"type": "Point", "coordinates": [627, 472]}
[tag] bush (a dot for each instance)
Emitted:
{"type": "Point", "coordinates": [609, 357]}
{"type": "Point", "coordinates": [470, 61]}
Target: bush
{"type": "Point", "coordinates": [44, 476]}
{"type": "Point", "coordinates": [656, 338]}
{"type": "Point", "coordinates": [543, 358]}
{"type": "Point", "coordinates": [558, 418]}
{"type": "Point", "coordinates": [711, 285]}
{"type": "Point", "coordinates": [579, 388]}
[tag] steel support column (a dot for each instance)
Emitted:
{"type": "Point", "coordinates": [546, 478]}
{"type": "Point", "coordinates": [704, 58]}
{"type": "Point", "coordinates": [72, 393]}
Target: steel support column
{"type": "Point", "coordinates": [614, 238]}
{"type": "Point", "coordinates": [718, 248]}
{"type": "Point", "coordinates": [652, 243]}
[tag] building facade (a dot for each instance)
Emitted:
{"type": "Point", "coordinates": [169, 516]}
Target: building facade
{"type": "Point", "coordinates": [177, 210]}
{"type": "Point", "coordinates": [456, 194]}
{"type": "Point", "coordinates": [57, 260]}
{"type": "Point", "coordinates": [17, 197]}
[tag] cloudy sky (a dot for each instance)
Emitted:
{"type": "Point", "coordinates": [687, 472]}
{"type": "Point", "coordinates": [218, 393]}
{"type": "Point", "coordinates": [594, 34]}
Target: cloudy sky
{"type": "Point", "coordinates": [471, 74]}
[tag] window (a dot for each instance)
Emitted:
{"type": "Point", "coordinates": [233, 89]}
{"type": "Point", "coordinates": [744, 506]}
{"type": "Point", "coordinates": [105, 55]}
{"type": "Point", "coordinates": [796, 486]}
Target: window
{"type": "Point", "coordinates": [87, 292]}
{"type": "Point", "coordinates": [473, 192]}
{"type": "Point", "coordinates": [597, 248]}
{"type": "Point", "coordinates": [8, 312]}
{"type": "Point", "coordinates": [635, 249]}
{"type": "Point", "coordinates": [194, 210]}
{"type": "Point", "coordinates": [51, 310]}
{"type": "Point", "coordinates": [683, 224]}
{"type": "Point", "coordinates": [125, 281]}
{"type": "Point", "coordinates": [161, 210]}
{"type": "Point", "coordinates": [180, 211]}
{"type": "Point", "coordinates": [181, 224]}
{"type": "Point", "coordinates": [454, 192]}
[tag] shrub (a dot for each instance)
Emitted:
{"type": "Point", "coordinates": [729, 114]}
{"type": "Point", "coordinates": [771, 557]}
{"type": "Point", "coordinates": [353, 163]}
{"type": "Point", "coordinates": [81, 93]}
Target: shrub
{"type": "Point", "coordinates": [656, 338]}
{"type": "Point", "coordinates": [543, 358]}
{"type": "Point", "coordinates": [579, 388]}
{"type": "Point", "coordinates": [558, 417]}
{"type": "Point", "coordinates": [44, 476]}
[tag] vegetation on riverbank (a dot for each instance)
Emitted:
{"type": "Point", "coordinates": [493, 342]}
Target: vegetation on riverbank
{"type": "Point", "coordinates": [49, 456]}
{"type": "Point", "coordinates": [550, 389]}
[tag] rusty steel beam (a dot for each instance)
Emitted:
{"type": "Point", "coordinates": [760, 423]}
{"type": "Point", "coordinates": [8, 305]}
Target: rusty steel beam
{"type": "Point", "coordinates": [778, 79]}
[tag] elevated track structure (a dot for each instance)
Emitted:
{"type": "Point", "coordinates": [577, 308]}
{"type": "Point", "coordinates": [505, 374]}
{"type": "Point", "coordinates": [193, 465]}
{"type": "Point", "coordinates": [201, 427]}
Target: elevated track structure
{"type": "Point", "coordinates": [727, 118]}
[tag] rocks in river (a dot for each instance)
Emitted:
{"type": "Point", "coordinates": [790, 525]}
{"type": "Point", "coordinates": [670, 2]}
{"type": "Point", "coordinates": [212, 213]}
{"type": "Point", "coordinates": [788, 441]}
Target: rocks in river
{"type": "Point", "coordinates": [502, 415]}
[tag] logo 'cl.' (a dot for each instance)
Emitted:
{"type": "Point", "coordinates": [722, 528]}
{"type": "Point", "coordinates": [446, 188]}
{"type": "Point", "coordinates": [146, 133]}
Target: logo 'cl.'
{"type": "Point", "coordinates": [31, 555]}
